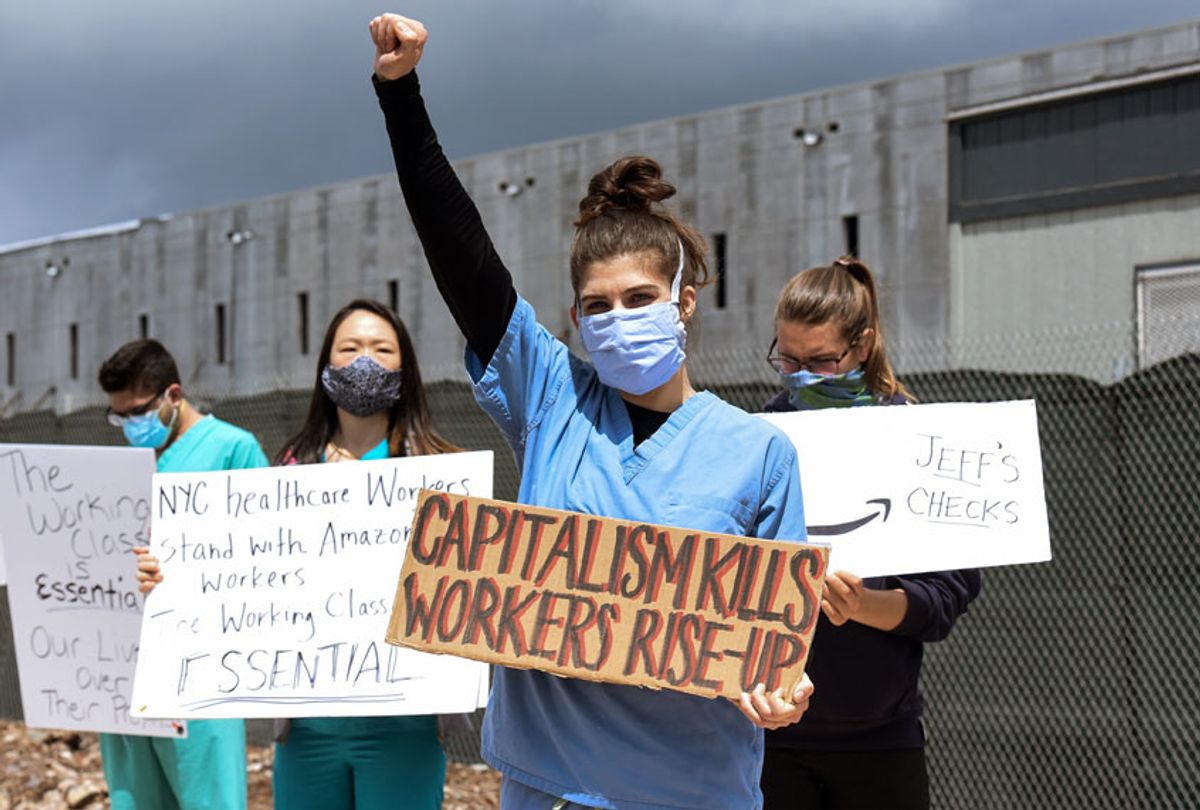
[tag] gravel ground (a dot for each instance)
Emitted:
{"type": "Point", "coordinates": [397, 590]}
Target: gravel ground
{"type": "Point", "coordinates": [49, 770]}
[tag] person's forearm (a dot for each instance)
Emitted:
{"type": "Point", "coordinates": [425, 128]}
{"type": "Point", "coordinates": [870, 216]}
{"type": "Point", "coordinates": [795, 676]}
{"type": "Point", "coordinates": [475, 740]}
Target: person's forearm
{"type": "Point", "coordinates": [466, 268]}
{"type": "Point", "coordinates": [883, 610]}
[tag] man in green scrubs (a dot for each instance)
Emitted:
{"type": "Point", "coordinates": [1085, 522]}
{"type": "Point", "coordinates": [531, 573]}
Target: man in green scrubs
{"type": "Point", "coordinates": [208, 768]}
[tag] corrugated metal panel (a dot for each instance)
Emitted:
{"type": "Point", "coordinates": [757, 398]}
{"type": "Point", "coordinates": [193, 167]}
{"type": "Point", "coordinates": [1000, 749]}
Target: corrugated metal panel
{"type": "Point", "coordinates": [1077, 152]}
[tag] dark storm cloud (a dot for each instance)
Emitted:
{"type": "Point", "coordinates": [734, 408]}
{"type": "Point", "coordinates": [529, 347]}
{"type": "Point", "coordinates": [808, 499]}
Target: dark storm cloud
{"type": "Point", "coordinates": [127, 108]}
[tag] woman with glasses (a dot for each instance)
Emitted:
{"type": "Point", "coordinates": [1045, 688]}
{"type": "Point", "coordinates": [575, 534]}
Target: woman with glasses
{"type": "Point", "coordinates": [829, 348]}
{"type": "Point", "coordinates": [862, 742]}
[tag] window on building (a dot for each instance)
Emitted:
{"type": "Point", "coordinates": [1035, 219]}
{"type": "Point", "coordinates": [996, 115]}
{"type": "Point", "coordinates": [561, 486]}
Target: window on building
{"type": "Point", "coordinates": [10, 359]}
{"type": "Point", "coordinates": [721, 267]}
{"type": "Point", "coordinates": [1168, 312]}
{"type": "Point", "coordinates": [73, 339]}
{"type": "Point", "coordinates": [850, 234]}
{"type": "Point", "coordinates": [144, 326]}
{"type": "Point", "coordinates": [394, 295]}
{"type": "Point", "coordinates": [1114, 146]}
{"type": "Point", "coordinates": [220, 331]}
{"type": "Point", "coordinates": [302, 302]}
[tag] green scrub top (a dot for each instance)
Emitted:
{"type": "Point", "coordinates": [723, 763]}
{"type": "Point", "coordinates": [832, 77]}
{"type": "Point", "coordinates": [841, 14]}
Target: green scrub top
{"type": "Point", "coordinates": [208, 768]}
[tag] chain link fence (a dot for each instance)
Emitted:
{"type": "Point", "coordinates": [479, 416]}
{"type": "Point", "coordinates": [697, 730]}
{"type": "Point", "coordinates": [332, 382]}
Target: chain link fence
{"type": "Point", "coordinates": [1068, 684]}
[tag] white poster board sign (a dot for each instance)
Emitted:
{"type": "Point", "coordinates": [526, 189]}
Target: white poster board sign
{"type": "Point", "coordinates": [277, 588]}
{"type": "Point", "coordinates": [900, 490]}
{"type": "Point", "coordinates": [69, 517]}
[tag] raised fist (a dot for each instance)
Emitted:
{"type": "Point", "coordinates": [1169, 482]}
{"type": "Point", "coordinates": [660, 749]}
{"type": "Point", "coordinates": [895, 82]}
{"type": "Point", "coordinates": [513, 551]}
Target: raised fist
{"type": "Point", "coordinates": [398, 45]}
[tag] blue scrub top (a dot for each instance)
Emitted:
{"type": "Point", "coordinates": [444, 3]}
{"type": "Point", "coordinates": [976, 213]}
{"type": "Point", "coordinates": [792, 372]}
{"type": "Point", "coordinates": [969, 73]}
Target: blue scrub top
{"type": "Point", "coordinates": [712, 467]}
{"type": "Point", "coordinates": [212, 444]}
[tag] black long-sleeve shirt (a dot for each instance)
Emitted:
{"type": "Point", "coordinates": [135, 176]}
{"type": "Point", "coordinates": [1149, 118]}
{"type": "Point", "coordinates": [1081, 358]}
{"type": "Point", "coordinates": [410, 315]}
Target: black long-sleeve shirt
{"type": "Point", "coordinates": [472, 279]}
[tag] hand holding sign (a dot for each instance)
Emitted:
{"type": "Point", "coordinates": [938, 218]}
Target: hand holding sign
{"type": "Point", "coordinates": [772, 711]}
{"type": "Point", "coordinates": [847, 598]}
{"type": "Point", "coordinates": [843, 597]}
{"type": "Point", "coordinates": [149, 573]}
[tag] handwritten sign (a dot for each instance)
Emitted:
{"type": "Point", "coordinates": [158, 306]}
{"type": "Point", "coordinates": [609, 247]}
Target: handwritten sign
{"type": "Point", "coordinates": [276, 590]}
{"type": "Point", "coordinates": [917, 488]}
{"type": "Point", "coordinates": [69, 517]}
{"type": "Point", "coordinates": [606, 600]}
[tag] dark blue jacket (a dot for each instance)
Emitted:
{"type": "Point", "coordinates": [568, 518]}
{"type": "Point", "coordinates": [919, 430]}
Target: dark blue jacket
{"type": "Point", "coordinates": [866, 695]}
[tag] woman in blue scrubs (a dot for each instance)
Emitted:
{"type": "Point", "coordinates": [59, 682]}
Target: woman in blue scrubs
{"type": "Point", "coordinates": [625, 435]}
{"type": "Point", "coordinates": [862, 743]}
{"type": "Point", "coordinates": [368, 402]}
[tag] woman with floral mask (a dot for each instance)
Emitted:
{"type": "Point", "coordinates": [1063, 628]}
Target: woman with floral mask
{"type": "Point", "coordinates": [862, 742]}
{"type": "Point", "coordinates": [625, 435]}
{"type": "Point", "coordinates": [368, 402]}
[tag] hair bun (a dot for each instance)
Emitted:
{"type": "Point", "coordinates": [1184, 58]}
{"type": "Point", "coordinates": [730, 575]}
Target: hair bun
{"type": "Point", "coordinates": [630, 184]}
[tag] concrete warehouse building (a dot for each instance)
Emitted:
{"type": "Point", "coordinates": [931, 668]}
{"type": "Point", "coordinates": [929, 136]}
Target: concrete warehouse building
{"type": "Point", "coordinates": [1049, 198]}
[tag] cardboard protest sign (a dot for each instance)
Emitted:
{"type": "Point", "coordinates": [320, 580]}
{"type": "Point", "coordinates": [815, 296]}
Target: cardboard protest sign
{"type": "Point", "coordinates": [606, 600]}
{"type": "Point", "coordinates": [69, 517]}
{"type": "Point", "coordinates": [276, 591]}
{"type": "Point", "coordinates": [922, 487]}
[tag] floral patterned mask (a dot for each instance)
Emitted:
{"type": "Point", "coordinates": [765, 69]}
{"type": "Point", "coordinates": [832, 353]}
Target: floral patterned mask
{"type": "Point", "coordinates": [362, 387]}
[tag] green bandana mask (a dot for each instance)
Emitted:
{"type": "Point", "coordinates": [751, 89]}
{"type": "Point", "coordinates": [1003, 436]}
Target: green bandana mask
{"type": "Point", "coordinates": [809, 391]}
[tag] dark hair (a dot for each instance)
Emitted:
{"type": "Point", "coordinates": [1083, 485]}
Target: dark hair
{"type": "Point", "coordinates": [141, 366]}
{"type": "Point", "coordinates": [843, 293]}
{"type": "Point", "coordinates": [621, 215]}
{"type": "Point", "coordinates": [410, 429]}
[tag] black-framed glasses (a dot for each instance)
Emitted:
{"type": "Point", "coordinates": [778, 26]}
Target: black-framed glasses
{"type": "Point", "coordinates": [819, 365]}
{"type": "Point", "coordinates": [117, 418]}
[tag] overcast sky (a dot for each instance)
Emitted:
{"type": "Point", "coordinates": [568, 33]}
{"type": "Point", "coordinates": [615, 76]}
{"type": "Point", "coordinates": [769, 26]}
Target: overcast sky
{"type": "Point", "coordinates": [127, 108]}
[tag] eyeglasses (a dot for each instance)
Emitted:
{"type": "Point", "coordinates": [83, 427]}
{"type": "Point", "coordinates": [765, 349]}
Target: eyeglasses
{"type": "Point", "coordinates": [818, 365]}
{"type": "Point", "coordinates": [118, 418]}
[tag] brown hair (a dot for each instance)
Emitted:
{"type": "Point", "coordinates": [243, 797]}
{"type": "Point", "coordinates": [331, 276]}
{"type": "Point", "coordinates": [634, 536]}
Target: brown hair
{"type": "Point", "coordinates": [622, 215]}
{"type": "Point", "coordinates": [843, 293]}
{"type": "Point", "coordinates": [139, 367]}
{"type": "Point", "coordinates": [410, 429]}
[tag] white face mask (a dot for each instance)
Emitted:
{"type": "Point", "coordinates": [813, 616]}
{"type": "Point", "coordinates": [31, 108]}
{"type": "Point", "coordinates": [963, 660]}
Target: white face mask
{"type": "Point", "coordinates": [637, 350]}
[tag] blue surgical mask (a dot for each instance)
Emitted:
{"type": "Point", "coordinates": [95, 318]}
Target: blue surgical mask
{"type": "Point", "coordinates": [362, 387]}
{"type": "Point", "coordinates": [147, 430]}
{"type": "Point", "coordinates": [808, 390]}
{"type": "Point", "coordinates": [637, 350]}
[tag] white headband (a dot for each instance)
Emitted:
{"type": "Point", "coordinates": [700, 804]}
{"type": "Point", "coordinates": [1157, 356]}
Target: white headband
{"type": "Point", "coordinates": [678, 274]}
